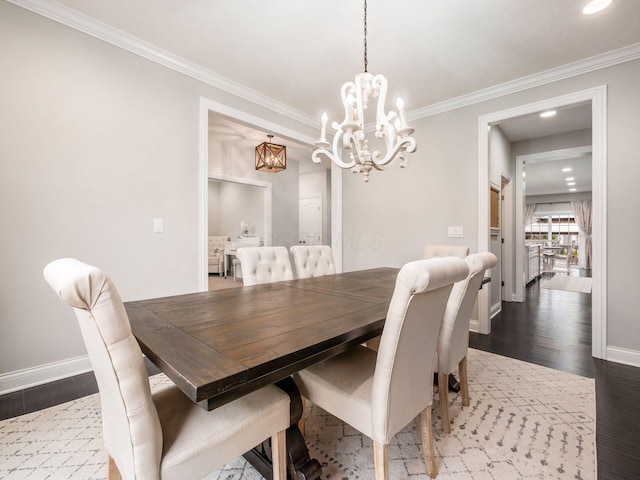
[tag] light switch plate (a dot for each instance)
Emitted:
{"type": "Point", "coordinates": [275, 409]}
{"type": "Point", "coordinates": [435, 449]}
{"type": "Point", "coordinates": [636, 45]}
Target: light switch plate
{"type": "Point", "coordinates": [158, 225]}
{"type": "Point", "coordinates": [455, 232]}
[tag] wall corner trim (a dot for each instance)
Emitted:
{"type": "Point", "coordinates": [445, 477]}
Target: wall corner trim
{"type": "Point", "coordinates": [30, 377]}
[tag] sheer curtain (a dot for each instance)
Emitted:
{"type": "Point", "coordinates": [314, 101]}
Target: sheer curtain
{"type": "Point", "coordinates": [582, 215]}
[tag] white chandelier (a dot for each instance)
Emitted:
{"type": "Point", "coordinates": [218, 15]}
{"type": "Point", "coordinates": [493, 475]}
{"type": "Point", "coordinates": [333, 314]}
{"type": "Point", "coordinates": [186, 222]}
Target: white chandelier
{"type": "Point", "coordinates": [350, 135]}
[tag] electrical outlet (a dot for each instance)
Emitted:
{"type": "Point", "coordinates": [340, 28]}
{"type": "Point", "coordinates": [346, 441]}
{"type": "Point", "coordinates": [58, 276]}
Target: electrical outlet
{"type": "Point", "coordinates": [158, 225]}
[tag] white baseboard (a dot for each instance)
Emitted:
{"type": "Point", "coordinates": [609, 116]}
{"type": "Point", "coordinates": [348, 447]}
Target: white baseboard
{"type": "Point", "coordinates": [495, 309]}
{"type": "Point", "coordinates": [622, 355]}
{"type": "Point", "coordinates": [474, 326]}
{"type": "Point", "coordinates": [30, 377]}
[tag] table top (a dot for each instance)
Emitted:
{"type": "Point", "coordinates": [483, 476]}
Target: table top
{"type": "Point", "coordinates": [217, 346]}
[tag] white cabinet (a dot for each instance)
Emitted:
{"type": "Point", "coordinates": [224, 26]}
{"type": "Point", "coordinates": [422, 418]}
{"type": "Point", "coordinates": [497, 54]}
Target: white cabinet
{"type": "Point", "coordinates": [532, 262]}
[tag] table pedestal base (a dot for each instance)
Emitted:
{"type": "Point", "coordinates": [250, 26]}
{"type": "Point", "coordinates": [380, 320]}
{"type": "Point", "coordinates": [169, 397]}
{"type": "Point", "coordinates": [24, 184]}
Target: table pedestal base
{"type": "Point", "coordinates": [300, 466]}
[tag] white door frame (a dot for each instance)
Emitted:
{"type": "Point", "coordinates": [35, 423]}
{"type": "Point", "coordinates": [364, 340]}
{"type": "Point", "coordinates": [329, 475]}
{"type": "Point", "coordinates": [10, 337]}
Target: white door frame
{"type": "Point", "coordinates": [206, 106]}
{"type": "Point", "coordinates": [598, 98]}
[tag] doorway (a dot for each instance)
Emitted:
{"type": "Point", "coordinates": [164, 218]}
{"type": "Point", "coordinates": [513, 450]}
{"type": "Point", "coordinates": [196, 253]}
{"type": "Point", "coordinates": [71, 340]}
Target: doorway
{"type": "Point", "coordinates": [284, 212]}
{"type": "Point", "coordinates": [597, 99]}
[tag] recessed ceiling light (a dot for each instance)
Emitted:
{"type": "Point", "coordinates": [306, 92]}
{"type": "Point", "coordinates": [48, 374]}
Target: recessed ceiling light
{"type": "Point", "coordinates": [571, 184]}
{"type": "Point", "coordinates": [548, 113]}
{"type": "Point", "coordinates": [572, 189]}
{"type": "Point", "coordinates": [569, 179]}
{"type": "Point", "coordinates": [566, 169]}
{"type": "Point", "coordinates": [595, 6]}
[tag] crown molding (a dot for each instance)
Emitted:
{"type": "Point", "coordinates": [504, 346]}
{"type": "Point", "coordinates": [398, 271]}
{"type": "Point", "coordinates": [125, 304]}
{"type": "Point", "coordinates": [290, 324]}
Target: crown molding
{"type": "Point", "coordinates": [90, 26]}
{"type": "Point", "coordinates": [597, 62]}
{"type": "Point", "coordinates": [83, 23]}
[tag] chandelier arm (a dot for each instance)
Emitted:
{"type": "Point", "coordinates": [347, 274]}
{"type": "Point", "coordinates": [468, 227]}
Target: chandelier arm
{"type": "Point", "coordinates": [405, 144]}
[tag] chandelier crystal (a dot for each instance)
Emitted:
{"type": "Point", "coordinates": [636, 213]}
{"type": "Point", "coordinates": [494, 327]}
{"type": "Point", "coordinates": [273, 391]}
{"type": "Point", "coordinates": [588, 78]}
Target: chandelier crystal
{"type": "Point", "coordinates": [350, 135]}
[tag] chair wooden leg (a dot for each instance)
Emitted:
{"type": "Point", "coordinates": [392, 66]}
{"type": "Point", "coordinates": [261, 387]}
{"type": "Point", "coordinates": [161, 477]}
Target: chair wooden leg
{"type": "Point", "coordinates": [427, 442]}
{"type": "Point", "coordinates": [443, 393]}
{"type": "Point", "coordinates": [464, 382]}
{"type": "Point", "coordinates": [381, 460]}
{"type": "Point", "coordinates": [112, 470]}
{"type": "Point", "coordinates": [301, 423]}
{"type": "Point", "coordinates": [279, 455]}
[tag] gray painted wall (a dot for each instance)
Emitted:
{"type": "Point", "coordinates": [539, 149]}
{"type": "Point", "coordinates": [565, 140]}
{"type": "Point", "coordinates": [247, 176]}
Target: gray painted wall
{"type": "Point", "coordinates": [235, 203]}
{"type": "Point", "coordinates": [95, 143]}
{"type": "Point", "coordinates": [499, 163]}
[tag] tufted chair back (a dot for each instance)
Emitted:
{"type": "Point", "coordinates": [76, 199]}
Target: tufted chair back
{"type": "Point", "coordinates": [453, 342]}
{"type": "Point", "coordinates": [436, 251]}
{"type": "Point", "coordinates": [454, 336]}
{"type": "Point", "coordinates": [131, 427]}
{"type": "Point", "coordinates": [408, 343]}
{"type": "Point", "coordinates": [264, 265]}
{"type": "Point", "coordinates": [312, 260]}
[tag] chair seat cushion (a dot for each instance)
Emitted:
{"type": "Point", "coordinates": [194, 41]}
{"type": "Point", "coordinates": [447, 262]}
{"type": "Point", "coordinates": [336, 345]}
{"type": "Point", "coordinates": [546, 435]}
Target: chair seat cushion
{"type": "Point", "coordinates": [342, 385]}
{"type": "Point", "coordinates": [197, 442]}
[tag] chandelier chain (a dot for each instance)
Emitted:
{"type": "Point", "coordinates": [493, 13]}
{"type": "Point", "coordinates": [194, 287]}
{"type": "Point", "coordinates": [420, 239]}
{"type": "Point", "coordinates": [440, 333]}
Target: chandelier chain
{"type": "Point", "coordinates": [365, 36]}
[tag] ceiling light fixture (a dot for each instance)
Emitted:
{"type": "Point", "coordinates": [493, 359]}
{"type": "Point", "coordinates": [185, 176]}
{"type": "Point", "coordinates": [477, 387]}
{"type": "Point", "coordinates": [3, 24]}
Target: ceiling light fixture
{"type": "Point", "coordinates": [572, 189]}
{"type": "Point", "coordinates": [570, 184]}
{"type": "Point", "coordinates": [271, 157]}
{"type": "Point", "coordinates": [566, 169]}
{"type": "Point", "coordinates": [595, 6]}
{"type": "Point", "coordinates": [391, 127]}
{"type": "Point", "coordinates": [570, 179]}
{"type": "Point", "coordinates": [548, 113]}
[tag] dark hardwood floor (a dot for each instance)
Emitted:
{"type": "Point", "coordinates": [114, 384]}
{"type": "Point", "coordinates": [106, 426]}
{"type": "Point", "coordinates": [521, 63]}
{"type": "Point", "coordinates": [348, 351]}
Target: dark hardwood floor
{"type": "Point", "coordinates": [551, 328]}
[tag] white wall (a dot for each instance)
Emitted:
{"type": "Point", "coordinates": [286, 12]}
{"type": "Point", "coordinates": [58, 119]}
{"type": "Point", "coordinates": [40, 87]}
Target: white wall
{"type": "Point", "coordinates": [400, 210]}
{"type": "Point", "coordinates": [95, 143]}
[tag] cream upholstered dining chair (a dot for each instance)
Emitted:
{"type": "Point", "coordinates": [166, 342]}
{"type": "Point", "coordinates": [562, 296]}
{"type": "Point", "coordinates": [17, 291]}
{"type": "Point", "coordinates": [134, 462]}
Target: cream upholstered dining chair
{"type": "Point", "coordinates": [380, 394]}
{"type": "Point", "coordinates": [264, 265]}
{"type": "Point", "coordinates": [453, 342]}
{"type": "Point", "coordinates": [312, 260]}
{"type": "Point", "coordinates": [164, 434]}
{"type": "Point", "coordinates": [431, 251]}
{"type": "Point", "coordinates": [436, 251]}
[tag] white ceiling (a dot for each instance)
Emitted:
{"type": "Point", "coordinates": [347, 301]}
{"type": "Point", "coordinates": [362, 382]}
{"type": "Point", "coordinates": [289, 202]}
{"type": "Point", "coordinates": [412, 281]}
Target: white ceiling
{"type": "Point", "coordinates": [547, 177]}
{"type": "Point", "coordinates": [299, 52]}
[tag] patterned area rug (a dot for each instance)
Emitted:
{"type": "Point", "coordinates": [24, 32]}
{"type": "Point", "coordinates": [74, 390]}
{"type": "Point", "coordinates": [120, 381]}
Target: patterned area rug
{"type": "Point", "coordinates": [524, 422]}
{"type": "Point", "coordinates": [568, 283]}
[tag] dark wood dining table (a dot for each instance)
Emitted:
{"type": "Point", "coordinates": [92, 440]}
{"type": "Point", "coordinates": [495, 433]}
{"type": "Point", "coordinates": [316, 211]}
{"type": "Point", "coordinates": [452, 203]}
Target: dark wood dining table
{"type": "Point", "coordinates": [217, 346]}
